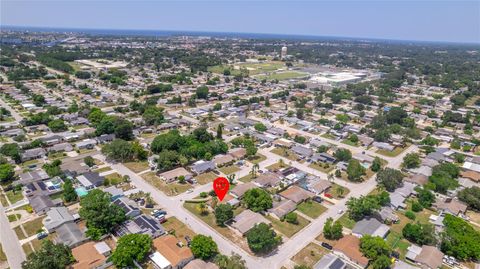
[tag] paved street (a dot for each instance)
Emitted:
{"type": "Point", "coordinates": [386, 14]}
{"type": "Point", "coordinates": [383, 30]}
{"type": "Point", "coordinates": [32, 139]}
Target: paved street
{"type": "Point", "coordinates": [10, 243]}
{"type": "Point", "coordinates": [14, 113]}
{"type": "Point", "coordinates": [291, 246]}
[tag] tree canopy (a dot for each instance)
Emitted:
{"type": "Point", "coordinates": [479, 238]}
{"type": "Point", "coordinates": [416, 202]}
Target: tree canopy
{"type": "Point", "coordinates": [50, 255]}
{"type": "Point", "coordinates": [262, 239]}
{"type": "Point", "coordinates": [257, 200]}
{"type": "Point", "coordinates": [203, 247]}
{"type": "Point", "coordinates": [101, 215]}
{"type": "Point", "coordinates": [389, 178]}
{"type": "Point", "coordinates": [131, 247]}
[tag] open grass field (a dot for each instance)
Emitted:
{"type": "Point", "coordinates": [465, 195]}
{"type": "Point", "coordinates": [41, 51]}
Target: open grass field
{"type": "Point", "coordinates": [284, 75]}
{"type": "Point", "coordinates": [286, 153]}
{"type": "Point", "coordinates": [206, 178]}
{"type": "Point", "coordinates": [137, 167]}
{"type": "Point", "coordinates": [14, 197]}
{"type": "Point", "coordinates": [103, 169]}
{"type": "Point", "coordinates": [170, 189]}
{"type": "Point", "coordinates": [32, 227]}
{"type": "Point", "coordinates": [14, 217]}
{"type": "Point", "coordinates": [311, 209]}
{"type": "Point", "coordinates": [346, 221]}
{"type": "Point", "coordinates": [276, 166]}
{"type": "Point", "coordinates": [286, 228]}
{"type": "Point", "coordinates": [230, 169]}
{"type": "Point", "coordinates": [179, 229]}
{"type": "Point", "coordinates": [246, 178]}
{"type": "Point", "coordinates": [253, 68]}
{"type": "Point", "coordinates": [258, 158]}
{"type": "Point", "coordinates": [309, 255]}
{"type": "Point", "coordinates": [324, 168]}
{"type": "Point", "coordinates": [338, 192]}
{"type": "Point", "coordinates": [3, 199]}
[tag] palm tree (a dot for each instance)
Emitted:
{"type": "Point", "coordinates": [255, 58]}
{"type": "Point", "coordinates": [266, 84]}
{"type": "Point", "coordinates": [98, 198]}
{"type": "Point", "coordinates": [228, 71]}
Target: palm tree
{"type": "Point", "coordinates": [231, 178]}
{"type": "Point", "coordinates": [203, 208]}
{"type": "Point", "coordinates": [254, 170]}
{"type": "Point", "coordinates": [340, 191]}
{"type": "Point", "coordinates": [330, 177]}
{"type": "Point", "coordinates": [281, 163]}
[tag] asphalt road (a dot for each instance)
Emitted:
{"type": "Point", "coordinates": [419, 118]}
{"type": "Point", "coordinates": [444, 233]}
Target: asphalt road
{"type": "Point", "coordinates": [10, 243]}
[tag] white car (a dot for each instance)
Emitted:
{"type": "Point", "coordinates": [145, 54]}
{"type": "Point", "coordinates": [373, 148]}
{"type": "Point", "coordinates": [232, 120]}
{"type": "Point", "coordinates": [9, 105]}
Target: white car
{"type": "Point", "coordinates": [189, 190]}
{"type": "Point", "coordinates": [340, 211]}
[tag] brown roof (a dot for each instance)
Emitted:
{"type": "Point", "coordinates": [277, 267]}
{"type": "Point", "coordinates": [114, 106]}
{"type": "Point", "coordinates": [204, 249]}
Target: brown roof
{"type": "Point", "coordinates": [199, 264]}
{"type": "Point", "coordinates": [167, 246]}
{"type": "Point", "coordinates": [349, 245]}
{"type": "Point", "coordinates": [222, 159]}
{"type": "Point", "coordinates": [296, 194]}
{"type": "Point", "coordinates": [451, 205]}
{"type": "Point", "coordinates": [240, 189]}
{"type": "Point", "coordinates": [87, 256]}
{"type": "Point", "coordinates": [238, 153]}
{"type": "Point", "coordinates": [321, 185]}
{"type": "Point", "coordinates": [430, 256]}
{"type": "Point", "coordinates": [475, 176]}
{"type": "Point", "coordinates": [245, 221]}
{"type": "Point", "coordinates": [268, 179]}
{"type": "Point", "coordinates": [417, 179]}
{"type": "Point", "coordinates": [175, 173]}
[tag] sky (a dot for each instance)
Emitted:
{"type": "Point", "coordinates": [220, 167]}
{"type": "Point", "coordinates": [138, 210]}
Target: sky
{"type": "Point", "coordinates": [425, 20]}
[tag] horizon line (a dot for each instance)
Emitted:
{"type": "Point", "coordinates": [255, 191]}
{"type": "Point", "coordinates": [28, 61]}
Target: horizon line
{"type": "Point", "coordinates": [292, 36]}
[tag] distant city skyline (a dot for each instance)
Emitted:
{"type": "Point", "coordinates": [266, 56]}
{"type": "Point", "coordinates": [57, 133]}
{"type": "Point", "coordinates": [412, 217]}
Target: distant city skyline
{"type": "Point", "coordinates": [438, 21]}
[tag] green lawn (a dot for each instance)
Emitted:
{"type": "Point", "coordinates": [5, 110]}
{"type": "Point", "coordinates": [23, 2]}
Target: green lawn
{"type": "Point", "coordinates": [348, 142]}
{"type": "Point", "coordinates": [276, 166]}
{"type": "Point", "coordinates": [169, 189]}
{"type": "Point", "coordinates": [309, 255]}
{"type": "Point", "coordinates": [335, 192]}
{"type": "Point", "coordinates": [283, 75]}
{"type": "Point", "coordinates": [14, 217]}
{"type": "Point", "coordinates": [311, 209]}
{"type": "Point", "coordinates": [3, 257]}
{"type": "Point", "coordinates": [286, 153]}
{"type": "Point", "coordinates": [137, 167]}
{"type": "Point", "coordinates": [397, 243]}
{"type": "Point", "coordinates": [179, 229]}
{"type": "Point", "coordinates": [227, 170]}
{"type": "Point", "coordinates": [286, 228]}
{"type": "Point", "coordinates": [206, 178]}
{"type": "Point", "coordinates": [103, 169]}
{"type": "Point", "coordinates": [346, 221]}
{"type": "Point", "coordinates": [328, 136]}
{"type": "Point", "coordinates": [14, 197]}
{"type": "Point", "coordinates": [324, 168]}
{"type": "Point", "coordinates": [395, 152]}
{"type": "Point", "coordinates": [33, 226]}
{"type": "Point", "coordinates": [258, 158]}
{"type": "Point", "coordinates": [3, 200]}
{"type": "Point", "coordinates": [246, 178]}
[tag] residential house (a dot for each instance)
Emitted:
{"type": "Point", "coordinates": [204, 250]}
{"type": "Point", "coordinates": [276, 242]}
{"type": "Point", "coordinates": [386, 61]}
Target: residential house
{"type": "Point", "coordinates": [268, 180]}
{"type": "Point", "coordinates": [238, 153]}
{"type": "Point", "coordinates": [246, 220]}
{"type": "Point", "coordinates": [430, 257]}
{"type": "Point", "coordinates": [223, 160]}
{"type": "Point", "coordinates": [86, 144]}
{"type": "Point", "coordinates": [202, 166]}
{"type": "Point", "coordinates": [88, 256]}
{"type": "Point", "coordinates": [70, 234]}
{"type": "Point", "coordinates": [90, 180]}
{"type": "Point", "coordinates": [384, 146]}
{"type": "Point", "coordinates": [331, 261]}
{"type": "Point", "coordinates": [302, 151]}
{"type": "Point", "coordinates": [239, 190]}
{"type": "Point", "coordinates": [141, 224]}
{"type": "Point", "coordinates": [56, 217]}
{"type": "Point", "coordinates": [114, 192]}
{"type": "Point", "coordinates": [348, 247]}
{"type": "Point", "coordinates": [387, 215]}
{"type": "Point", "coordinates": [174, 174]}
{"type": "Point", "coordinates": [32, 154]}
{"type": "Point", "coordinates": [168, 255]}
{"type": "Point", "coordinates": [296, 194]}
{"type": "Point", "coordinates": [370, 226]}
{"type": "Point", "coordinates": [41, 204]}
{"type": "Point", "coordinates": [450, 206]}
{"type": "Point", "coordinates": [319, 186]}
{"type": "Point", "coordinates": [128, 206]}
{"type": "Point", "coordinates": [282, 208]}
{"type": "Point", "coordinates": [323, 157]}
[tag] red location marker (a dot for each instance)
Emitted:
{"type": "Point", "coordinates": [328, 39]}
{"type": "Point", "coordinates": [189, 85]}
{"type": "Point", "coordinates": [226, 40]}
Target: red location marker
{"type": "Point", "coordinates": [221, 186]}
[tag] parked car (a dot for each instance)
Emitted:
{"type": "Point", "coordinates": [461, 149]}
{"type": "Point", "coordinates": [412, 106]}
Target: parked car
{"type": "Point", "coordinates": [188, 239]}
{"type": "Point", "coordinates": [158, 212]}
{"type": "Point", "coordinates": [327, 246]}
{"type": "Point", "coordinates": [317, 199]}
{"type": "Point", "coordinates": [41, 235]}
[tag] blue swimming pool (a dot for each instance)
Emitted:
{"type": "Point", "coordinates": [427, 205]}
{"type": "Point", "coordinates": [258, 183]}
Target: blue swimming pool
{"type": "Point", "coordinates": [81, 191]}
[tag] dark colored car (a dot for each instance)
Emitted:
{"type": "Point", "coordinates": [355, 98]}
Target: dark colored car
{"type": "Point", "coordinates": [327, 246]}
{"type": "Point", "coordinates": [318, 199]}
